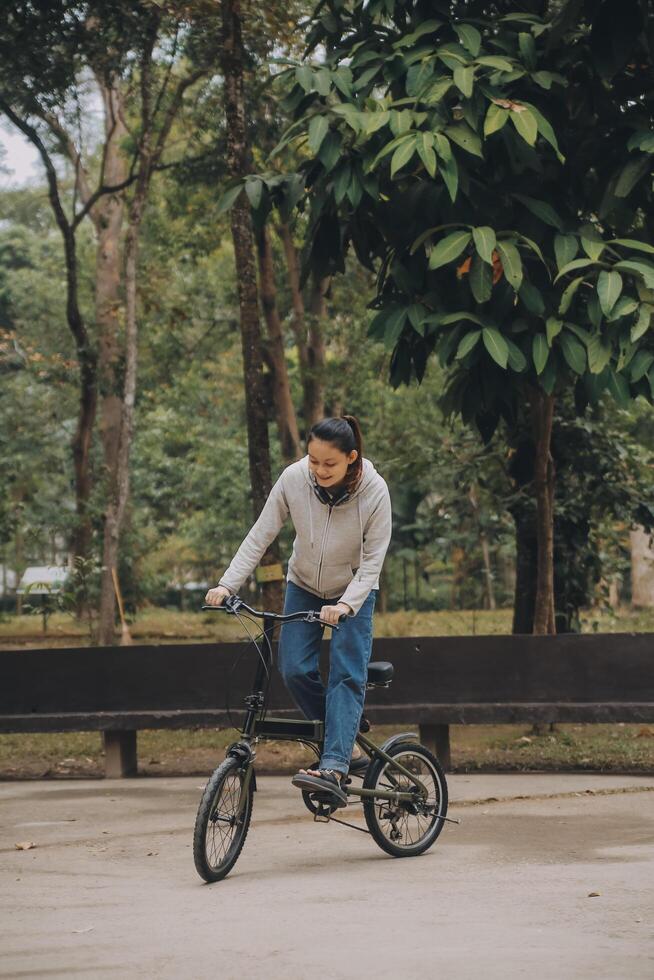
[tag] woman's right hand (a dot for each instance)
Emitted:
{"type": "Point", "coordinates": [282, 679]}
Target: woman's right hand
{"type": "Point", "coordinates": [216, 597]}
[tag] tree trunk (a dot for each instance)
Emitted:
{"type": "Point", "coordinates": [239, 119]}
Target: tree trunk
{"type": "Point", "coordinates": [485, 550]}
{"type": "Point", "coordinates": [298, 319]}
{"type": "Point", "coordinates": [526, 565]}
{"type": "Point", "coordinates": [314, 408]}
{"type": "Point", "coordinates": [86, 356]}
{"type": "Point", "coordinates": [542, 407]}
{"type": "Point", "coordinates": [642, 569]}
{"type": "Point", "coordinates": [107, 216]}
{"type": "Point", "coordinates": [289, 435]}
{"type": "Point", "coordinates": [255, 396]}
{"type": "Point", "coordinates": [119, 490]}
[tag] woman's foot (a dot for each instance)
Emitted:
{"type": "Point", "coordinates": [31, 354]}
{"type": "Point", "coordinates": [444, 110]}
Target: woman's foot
{"type": "Point", "coordinates": [325, 782]}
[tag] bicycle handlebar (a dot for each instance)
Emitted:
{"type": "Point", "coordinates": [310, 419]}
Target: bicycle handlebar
{"type": "Point", "coordinates": [233, 603]}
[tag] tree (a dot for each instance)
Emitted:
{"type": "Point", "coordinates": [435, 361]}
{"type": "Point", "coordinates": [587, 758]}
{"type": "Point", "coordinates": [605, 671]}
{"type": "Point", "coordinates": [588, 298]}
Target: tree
{"type": "Point", "coordinates": [456, 148]}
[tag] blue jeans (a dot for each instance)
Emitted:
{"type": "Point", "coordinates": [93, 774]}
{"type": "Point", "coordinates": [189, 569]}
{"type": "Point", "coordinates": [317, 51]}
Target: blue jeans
{"type": "Point", "coordinates": [341, 704]}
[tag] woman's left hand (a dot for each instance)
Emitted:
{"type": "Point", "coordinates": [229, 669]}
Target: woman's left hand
{"type": "Point", "coordinates": [332, 614]}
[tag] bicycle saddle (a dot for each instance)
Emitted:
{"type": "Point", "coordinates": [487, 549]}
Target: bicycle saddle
{"type": "Point", "coordinates": [380, 672]}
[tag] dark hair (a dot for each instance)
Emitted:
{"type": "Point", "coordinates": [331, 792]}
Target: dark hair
{"type": "Point", "coordinates": [345, 434]}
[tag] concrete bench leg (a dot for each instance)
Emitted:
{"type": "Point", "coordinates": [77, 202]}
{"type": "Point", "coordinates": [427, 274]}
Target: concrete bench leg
{"type": "Point", "coordinates": [119, 754]}
{"type": "Point", "coordinates": [436, 738]}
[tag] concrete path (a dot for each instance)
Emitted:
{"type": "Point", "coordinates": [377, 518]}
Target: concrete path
{"type": "Point", "coordinates": [110, 889]}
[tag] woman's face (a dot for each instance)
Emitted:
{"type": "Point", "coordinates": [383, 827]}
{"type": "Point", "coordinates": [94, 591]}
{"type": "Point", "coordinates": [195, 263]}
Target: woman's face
{"type": "Point", "coordinates": [327, 462]}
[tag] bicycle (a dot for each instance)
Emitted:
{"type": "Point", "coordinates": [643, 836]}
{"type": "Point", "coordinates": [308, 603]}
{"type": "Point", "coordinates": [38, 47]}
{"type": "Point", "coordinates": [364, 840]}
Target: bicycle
{"type": "Point", "coordinates": [403, 791]}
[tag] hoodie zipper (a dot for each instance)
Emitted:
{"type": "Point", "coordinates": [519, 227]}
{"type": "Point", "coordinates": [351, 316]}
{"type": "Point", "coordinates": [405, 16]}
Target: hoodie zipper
{"type": "Point", "coordinates": [322, 545]}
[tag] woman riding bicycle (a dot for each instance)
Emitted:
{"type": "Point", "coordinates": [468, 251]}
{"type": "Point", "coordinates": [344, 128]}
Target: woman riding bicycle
{"type": "Point", "coordinates": [341, 510]}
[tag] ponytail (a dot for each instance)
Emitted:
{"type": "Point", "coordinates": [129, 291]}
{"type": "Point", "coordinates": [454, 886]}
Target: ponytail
{"type": "Point", "coordinates": [345, 434]}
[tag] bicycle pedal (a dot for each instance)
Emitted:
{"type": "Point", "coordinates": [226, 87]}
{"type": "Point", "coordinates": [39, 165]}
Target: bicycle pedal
{"type": "Point", "coordinates": [322, 814]}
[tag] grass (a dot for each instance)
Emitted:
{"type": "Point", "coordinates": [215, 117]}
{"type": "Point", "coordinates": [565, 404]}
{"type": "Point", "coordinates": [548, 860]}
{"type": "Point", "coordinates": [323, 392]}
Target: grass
{"type": "Point", "coordinates": [475, 748]}
{"type": "Point", "coordinates": [169, 626]}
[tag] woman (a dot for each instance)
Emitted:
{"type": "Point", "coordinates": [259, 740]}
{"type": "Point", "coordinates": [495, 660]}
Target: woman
{"type": "Point", "coordinates": [341, 510]}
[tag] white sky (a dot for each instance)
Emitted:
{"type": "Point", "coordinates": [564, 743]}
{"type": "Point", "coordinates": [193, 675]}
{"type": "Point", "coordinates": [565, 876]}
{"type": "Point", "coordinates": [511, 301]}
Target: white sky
{"type": "Point", "coordinates": [20, 159]}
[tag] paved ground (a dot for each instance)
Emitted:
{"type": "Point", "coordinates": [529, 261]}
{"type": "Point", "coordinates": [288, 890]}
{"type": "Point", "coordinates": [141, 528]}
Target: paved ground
{"type": "Point", "coordinates": [110, 889]}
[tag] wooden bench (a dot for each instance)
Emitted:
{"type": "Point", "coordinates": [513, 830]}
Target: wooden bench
{"type": "Point", "coordinates": [439, 681]}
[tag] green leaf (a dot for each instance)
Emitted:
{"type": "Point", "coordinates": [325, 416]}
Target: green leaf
{"type": "Point", "coordinates": [642, 140]}
{"type": "Point", "coordinates": [541, 209]}
{"type": "Point", "coordinates": [594, 311]}
{"type": "Point", "coordinates": [449, 168]}
{"type": "Point", "coordinates": [545, 130]}
{"type": "Point", "coordinates": [495, 119]}
{"type": "Point", "coordinates": [496, 346]}
{"type": "Point", "coordinates": [254, 191]}
{"type": "Point", "coordinates": [366, 77]}
{"type": "Point", "coordinates": [599, 354]}
{"type": "Point", "coordinates": [553, 327]}
{"type": "Point", "coordinates": [525, 125]}
{"type": "Point", "coordinates": [229, 198]}
{"type": "Point", "coordinates": [574, 352]}
{"type": "Point", "coordinates": [318, 128]}
{"type": "Point", "coordinates": [639, 266]}
{"type": "Point", "coordinates": [540, 352]}
{"type": "Point", "coordinates": [480, 279]}
{"type": "Point", "coordinates": [527, 47]}
{"type": "Point", "coordinates": [631, 173]}
{"type": "Point", "coordinates": [619, 388]}
{"type": "Point", "coordinates": [436, 92]}
{"type": "Point", "coordinates": [402, 155]}
{"type": "Point", "coordinates": [464, 79]}
{"type": "Point", "coordinates": [499, 64]}
{"type": "Point", "coordinates": [642, 324]}
{"type": "Point", "coordinates": [572, 266]}
{"type": "Point", "coordinates": [466, 138]}
{"type": "Point", "coordinates": [449, 248]}
{"type": "Point", "coordinates": [372, 121]}
{"type": "Point", "coordinates": [342, 178]}
{"type": "Point", "coordinates": [394, 326]}
{"type": "Point", "coordinates": [640, 365]}
{"type": "Point", "coordinates": [592, 242]}
{"type": "Point", "coordinates": [517, 360]}
{"type": "Point", "coordinates": [389, 147]}
{"type": "Point", "coordinates": [633, 244]}
{"type": "Point", "coordinates": [511, 263]}
{"type": "Point", "coordinates": [485, 242]}
{"type": "Point", "coordinates": [427, 27]}
{"type": "Point", "coordinates": [323, 82]}
{"type": "Point", "coordinates": [330, 151]}
{"type": "Point", "coordinates": [426, 153]}
{"type": "Point", "coordinates": [624, 306]}
{"type": "Point", "coordinates": [532, 298]}
{"type": "Point", "coordinates": [304, 77]}
{"type": "Point", "coordinates": [467, 344]}
{"type": "Point", "coordinates": [609, 287]}
{"type": "Point", "coordinates": [565, 249]}
{"type": "Point", "coordinates": [469, 37]}
{"type": "Point", "coordinates": [568, 294]}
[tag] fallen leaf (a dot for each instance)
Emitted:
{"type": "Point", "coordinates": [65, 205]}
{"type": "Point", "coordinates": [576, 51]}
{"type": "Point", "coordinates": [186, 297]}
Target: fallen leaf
{"type": "Point", "coordinates": [594, 894]}
{"type": "Point", "coordinates": [525, 739]}
{"type": "Point", "coordinates": [645, 732]}
{"type": "Point", "coordinates": [88, 929]}
{"type": "Point", "coordinates": [25, 845]}
{"type": "Point", "coordinates": [152, 853]}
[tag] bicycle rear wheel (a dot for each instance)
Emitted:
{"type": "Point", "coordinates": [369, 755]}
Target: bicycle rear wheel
{"type": "Point", "coordinates": [405, 829]}
{"type": "Point", "coordinates": [220, 832]}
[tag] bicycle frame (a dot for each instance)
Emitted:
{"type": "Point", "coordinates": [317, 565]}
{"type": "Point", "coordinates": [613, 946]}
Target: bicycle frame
{"type": "Point", "coordinates": [257, 726]}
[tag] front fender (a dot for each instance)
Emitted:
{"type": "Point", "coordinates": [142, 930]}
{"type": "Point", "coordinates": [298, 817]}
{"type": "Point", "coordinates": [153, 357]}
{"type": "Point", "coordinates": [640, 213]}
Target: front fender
{"type": "Point", "coordinates": [394, 739]}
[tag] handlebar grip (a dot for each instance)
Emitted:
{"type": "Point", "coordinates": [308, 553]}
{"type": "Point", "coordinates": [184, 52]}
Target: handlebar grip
{"type": "Point", "coordinates": [221, 607]}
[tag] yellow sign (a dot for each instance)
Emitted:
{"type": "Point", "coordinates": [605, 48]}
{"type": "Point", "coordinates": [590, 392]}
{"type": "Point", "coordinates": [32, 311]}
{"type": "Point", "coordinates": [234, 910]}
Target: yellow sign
{"type": "Point", "coordinates": [269, 573]}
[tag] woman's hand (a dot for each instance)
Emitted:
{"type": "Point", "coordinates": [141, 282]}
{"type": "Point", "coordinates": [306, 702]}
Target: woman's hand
{"type": "Point", "coordinates": [216, 597]}
{"type": "Point", "coordinates": [332, 614]}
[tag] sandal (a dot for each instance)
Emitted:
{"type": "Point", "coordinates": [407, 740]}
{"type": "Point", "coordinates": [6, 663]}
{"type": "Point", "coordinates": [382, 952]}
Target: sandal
{"type": "Point", "coordinates": [326, 783]}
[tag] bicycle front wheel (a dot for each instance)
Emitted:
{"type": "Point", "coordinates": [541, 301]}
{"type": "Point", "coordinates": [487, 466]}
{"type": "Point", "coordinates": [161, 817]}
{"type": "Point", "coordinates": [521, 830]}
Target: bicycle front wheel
{"type": "Point", "coordinates": [222, 821]}
{"type": "Point", "coordinates": [406, 828]}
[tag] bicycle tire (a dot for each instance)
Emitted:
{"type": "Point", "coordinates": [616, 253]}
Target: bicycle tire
{"type": "Point", "coordinates": [215, 859]}
{"type": "Point", "coordinates": [378, 812]}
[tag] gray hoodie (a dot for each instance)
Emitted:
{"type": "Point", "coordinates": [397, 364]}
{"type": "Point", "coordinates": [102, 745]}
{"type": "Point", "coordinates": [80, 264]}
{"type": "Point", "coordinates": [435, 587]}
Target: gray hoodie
{"type": "Point", "coordinates": [338, 550]}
